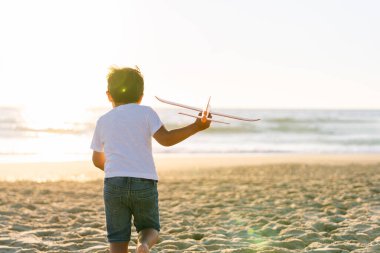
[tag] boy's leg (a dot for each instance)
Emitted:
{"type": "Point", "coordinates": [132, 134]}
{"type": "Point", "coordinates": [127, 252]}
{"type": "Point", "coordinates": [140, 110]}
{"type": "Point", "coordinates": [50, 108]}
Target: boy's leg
{"type": "Point", "coordinates": [146, 214]}
{"type": "Point", "coordinates": [147, 238]}
{"type": "Point", "coordinates": [118, 214]}
{"type": "Point", "coordinates": [119, 247]}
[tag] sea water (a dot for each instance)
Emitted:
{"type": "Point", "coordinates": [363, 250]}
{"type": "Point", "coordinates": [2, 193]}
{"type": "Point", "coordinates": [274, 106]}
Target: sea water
{"type": "Point", "coordinates": [24, 139]}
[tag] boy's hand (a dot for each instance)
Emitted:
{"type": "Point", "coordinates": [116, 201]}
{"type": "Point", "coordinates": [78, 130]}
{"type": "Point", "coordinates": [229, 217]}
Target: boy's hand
{"type": "Point", "coordinates": [200, 125]}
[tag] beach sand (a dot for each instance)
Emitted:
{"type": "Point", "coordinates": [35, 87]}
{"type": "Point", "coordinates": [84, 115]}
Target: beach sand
{"type": "Point", "coordinates": [208, 204]}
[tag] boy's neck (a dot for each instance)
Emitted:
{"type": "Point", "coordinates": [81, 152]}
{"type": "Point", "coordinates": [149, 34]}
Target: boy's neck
{"type": "Point", "coordinates": [118, 104]}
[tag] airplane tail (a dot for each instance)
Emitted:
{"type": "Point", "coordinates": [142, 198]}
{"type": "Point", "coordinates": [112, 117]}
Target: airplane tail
{"type": "Point", "coordinates": [208, 105]}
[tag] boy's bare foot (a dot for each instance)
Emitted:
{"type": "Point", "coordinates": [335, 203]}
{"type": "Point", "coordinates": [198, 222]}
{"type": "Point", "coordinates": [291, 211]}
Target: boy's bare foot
{"type": "Point", "coordinates": [147, 238]}
{"type": "Point", "coordinates": [142, 248]}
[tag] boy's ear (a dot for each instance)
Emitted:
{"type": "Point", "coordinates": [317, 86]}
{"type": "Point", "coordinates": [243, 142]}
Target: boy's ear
{"type": "Point", "coordinates": [109, 96]}
{"type": "Point", "coordinates": [140, 99]}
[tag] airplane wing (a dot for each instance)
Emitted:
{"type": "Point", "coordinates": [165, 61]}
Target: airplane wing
{"type": "Point", "coordinates": [200, 110]}
{"type": "Point", "coordinates": [180, 105]}
{"type": "Point", "coordinates": [232, 116]}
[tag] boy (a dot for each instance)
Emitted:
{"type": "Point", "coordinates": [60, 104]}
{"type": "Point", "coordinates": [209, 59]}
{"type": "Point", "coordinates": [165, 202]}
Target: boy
{"type": "Point", "coordinates": [122, 148]}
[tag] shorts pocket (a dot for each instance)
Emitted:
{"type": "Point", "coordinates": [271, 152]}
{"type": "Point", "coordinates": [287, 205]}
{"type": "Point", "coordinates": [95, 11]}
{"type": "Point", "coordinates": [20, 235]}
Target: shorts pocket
{"type": "Point", "coordinates": [114, 184]}
{"type": "Point", "coordinates": [147, 193]}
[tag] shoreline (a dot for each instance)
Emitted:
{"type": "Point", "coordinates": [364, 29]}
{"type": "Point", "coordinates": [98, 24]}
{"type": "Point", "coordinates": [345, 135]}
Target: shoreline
{"type": "Point", "coordinates": [85, 171]}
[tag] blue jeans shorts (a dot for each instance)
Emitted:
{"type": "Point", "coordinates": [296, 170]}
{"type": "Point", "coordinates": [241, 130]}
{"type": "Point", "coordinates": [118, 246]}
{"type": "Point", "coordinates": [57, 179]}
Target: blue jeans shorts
{"type": "Point", "coordinates": [125, 197]}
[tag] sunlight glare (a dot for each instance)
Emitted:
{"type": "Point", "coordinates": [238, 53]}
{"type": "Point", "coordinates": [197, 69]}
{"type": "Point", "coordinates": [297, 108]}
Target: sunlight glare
{"type": "Point", "coordinates": [37, 117]}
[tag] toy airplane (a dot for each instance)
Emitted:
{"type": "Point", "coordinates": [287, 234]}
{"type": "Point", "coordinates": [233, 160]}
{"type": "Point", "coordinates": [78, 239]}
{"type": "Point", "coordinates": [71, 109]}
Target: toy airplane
{"type": "Point", "coordinates": [205, 113]}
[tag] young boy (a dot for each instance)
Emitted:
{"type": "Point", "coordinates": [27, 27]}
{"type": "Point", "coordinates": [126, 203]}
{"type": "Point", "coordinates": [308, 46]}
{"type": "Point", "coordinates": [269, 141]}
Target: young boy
{"type": "Point", "coordinates": [122, 148]}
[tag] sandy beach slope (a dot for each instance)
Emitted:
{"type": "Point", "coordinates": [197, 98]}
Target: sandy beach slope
{"type": "Point", "coordinates": [304, 204]}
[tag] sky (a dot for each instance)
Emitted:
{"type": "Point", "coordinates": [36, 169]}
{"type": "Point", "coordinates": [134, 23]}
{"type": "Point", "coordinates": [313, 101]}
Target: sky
{"type": "Point", "coordinates": [245, 54]}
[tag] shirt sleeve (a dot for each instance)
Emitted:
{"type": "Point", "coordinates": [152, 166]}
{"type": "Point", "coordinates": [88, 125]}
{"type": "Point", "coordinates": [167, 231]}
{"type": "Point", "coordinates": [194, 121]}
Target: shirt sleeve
{"type": "Point", "coordinates": [154, 122]}
{"type": "Point", "coordinates": [97, 143]}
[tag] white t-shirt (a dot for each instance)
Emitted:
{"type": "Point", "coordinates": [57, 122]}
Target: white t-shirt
{"type": "Point", "coordinates": [124, 134]}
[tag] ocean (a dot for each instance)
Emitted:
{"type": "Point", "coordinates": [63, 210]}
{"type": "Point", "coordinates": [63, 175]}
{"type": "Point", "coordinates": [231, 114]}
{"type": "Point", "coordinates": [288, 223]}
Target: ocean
{"type": "Point", "coordinates": [24, 139]}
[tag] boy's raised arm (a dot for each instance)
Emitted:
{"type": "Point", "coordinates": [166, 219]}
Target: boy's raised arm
{"type": "Point", "coordinates": [172, 137]}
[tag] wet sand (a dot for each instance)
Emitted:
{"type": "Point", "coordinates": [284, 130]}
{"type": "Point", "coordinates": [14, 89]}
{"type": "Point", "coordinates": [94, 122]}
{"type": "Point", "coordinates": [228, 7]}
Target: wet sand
{"type": "Point", "coordinates": [278, 206]}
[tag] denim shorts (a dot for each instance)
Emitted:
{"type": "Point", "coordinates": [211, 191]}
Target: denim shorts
{"type": "Point", "coordinates": [125, 197]}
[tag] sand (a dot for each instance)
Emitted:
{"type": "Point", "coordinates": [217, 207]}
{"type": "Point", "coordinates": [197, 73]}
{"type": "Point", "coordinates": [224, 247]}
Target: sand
{"type": "Point", "coordinates": [279, 205]}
